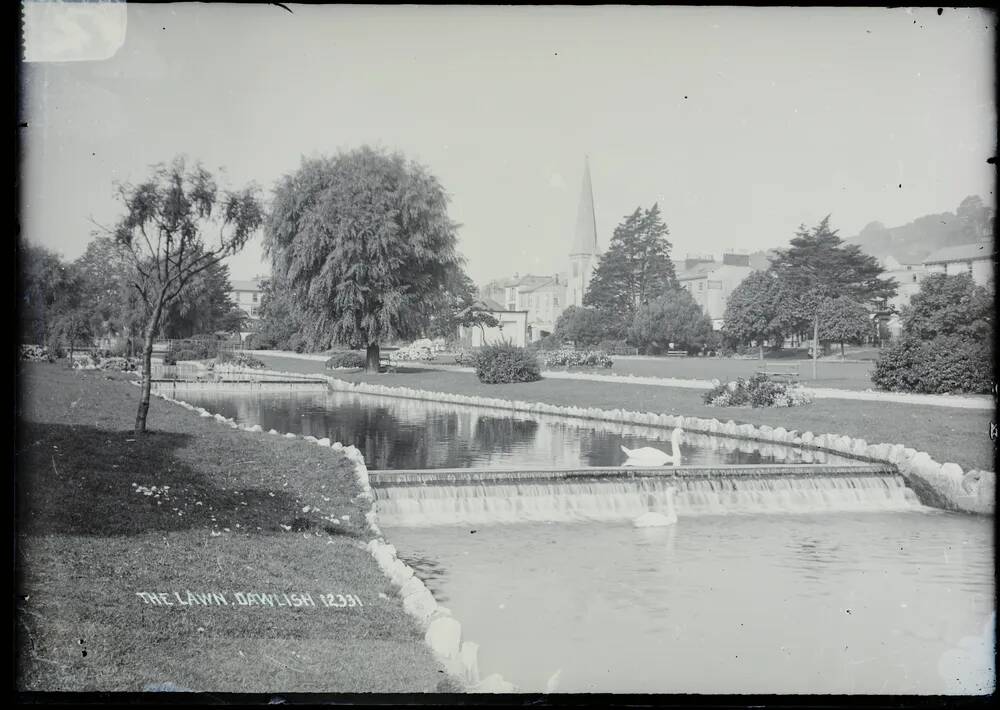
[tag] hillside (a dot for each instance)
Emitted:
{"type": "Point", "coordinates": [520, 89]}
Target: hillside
{"type": "Point", "coordinates": [912, 242]}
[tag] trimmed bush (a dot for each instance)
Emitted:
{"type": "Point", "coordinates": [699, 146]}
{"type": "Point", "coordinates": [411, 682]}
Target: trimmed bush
{"type": "Point", "coordinates": [757, 391]}
{"type": "Point", "coordinates": [947, 363]}
{"type": "Point", "coordinates": [497, 364]}
{"type": "Point", "coordinates": [346, 359]}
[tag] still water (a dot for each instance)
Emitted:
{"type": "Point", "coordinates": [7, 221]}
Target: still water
{"type": "Point", "coordinates": [896, 599]}
{"type": "Point", "coordinates": [825, 603]}
{"type": "Point", "coordinates": [396, 433]}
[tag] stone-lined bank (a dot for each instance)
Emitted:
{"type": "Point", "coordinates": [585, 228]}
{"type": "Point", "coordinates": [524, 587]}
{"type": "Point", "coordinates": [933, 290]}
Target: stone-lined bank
{"type": "Point", "coordinates": [442, 633]}
{"type": "Point", "coordinates": [939, 485]}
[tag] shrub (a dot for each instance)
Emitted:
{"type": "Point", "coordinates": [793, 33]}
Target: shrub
{"type": "Point", "coordinates": [576, 358]}
{"type": "Point", "coordinates": [944, 364]}
{"type": "Point", "coordinates": [463, 357]}
{"type": "Point", "coordinates": [346, 359]}
{"type": "Point", "coordinates": [505, 363]}
{"type": "Point", "coordinates": [758, 391]}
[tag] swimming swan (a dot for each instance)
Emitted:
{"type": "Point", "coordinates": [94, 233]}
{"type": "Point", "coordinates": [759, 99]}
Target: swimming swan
{"type": "Point", "coordinates": [648, 456]}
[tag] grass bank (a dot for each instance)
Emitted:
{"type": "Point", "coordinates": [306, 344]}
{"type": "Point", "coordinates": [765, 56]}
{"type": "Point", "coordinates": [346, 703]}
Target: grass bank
{"type": "Point", "coordinates": [193, 506]}
{"type": "Point", "coordinates": [948, 434]}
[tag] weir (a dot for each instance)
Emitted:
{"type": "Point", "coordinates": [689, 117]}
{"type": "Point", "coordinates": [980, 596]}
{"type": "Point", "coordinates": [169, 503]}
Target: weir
{"type": "Point", "coordinates": [469, 496]}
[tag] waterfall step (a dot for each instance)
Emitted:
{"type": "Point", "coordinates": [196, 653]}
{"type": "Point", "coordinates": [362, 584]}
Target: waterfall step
{"type": "Point", "coordinates": [475, 476]}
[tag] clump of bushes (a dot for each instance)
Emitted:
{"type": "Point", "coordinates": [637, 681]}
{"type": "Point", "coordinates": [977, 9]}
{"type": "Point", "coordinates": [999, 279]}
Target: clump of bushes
{"type": "Point", "coordinates": [239, 359]}
{"type": "Point", "coordinates": [757, 391]}
{"type": "Point", "coordinates": [345, 360]}
{"type": "Point", "coordinates": [576, 358]}
{"type": "Point", "coordinates": [945, 364]}
{"type": "Point", "coordinates": [503, 363]}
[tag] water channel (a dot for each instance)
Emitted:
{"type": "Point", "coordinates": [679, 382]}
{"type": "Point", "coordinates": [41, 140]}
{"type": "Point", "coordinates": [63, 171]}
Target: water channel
{"type": "Point", "coordinates": [805, 585]}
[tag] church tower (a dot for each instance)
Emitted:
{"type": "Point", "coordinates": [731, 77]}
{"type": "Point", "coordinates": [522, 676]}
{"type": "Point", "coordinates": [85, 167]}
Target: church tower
{"type": "Point", "coordinates": [583, 253]}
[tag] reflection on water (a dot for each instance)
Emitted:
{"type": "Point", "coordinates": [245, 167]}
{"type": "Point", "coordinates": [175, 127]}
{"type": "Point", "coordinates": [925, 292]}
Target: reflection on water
{"type": "Point", "coordinates": [833, 603]}
{"type": "Point", "coordinates": [395, 433]}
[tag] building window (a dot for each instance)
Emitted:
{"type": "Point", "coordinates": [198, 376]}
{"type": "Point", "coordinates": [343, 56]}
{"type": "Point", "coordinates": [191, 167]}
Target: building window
{"type": "Point", "coordinates": [701, 285]}
{"type": "Point", "coordinates": [715, 285]}
{"type": "Point", "coordinates": [914, 278]}
{"type": "Point", "coordinates": [255, 298]}
{"type": "Point", "coordinates": [555, 300]}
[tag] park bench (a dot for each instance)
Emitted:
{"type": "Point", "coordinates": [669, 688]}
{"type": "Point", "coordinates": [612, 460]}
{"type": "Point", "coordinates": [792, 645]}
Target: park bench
{"type": "Point", "coordinates": [788, 372]}
{"type": "Point", "coordinates": [385, 363]}
{"type": "Point", "coordinates": [677, 353]}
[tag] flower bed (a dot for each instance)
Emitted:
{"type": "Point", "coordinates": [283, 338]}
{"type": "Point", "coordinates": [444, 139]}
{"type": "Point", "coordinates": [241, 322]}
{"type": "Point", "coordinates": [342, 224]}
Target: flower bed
{"type": "Point", "coordinates": [348, 359]}
{"type": "Point", "coordinates": [238, 358]}
{"type": "Point", "coordinates": [576, 358]}
{"type": "Point", "coordinates": [34, 353]}
{"type": "Point", "coordinates": [757, 391]}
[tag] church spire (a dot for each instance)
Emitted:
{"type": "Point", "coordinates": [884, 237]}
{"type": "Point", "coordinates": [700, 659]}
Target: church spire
{"type": "Point", "coordinates": [585, 239]}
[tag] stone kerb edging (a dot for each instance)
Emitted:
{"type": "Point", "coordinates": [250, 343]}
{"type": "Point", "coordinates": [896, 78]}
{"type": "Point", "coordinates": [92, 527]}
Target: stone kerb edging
{"type": "Point", "coordinates": [442, 633]}
{"type": "Point", "coordinates": [939, 485]}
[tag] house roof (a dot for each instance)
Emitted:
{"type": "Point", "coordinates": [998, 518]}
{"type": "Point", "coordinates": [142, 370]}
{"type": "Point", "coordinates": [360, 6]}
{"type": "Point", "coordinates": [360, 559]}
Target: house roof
{"type": "Point", "coordinates": [961, 252]}
{"type": "Point", "coordinates": [532, 283]}
{"type": "Point", "coordinates": [487, 304]}
{"type": "Point", "coordinates": [699, 271]}
{"type": "Point", "coordinates": [243, 285]}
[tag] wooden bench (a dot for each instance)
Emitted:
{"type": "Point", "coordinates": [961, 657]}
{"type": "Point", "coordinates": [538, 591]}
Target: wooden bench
{"type": "Point", "coordinates": [677, 353]}
{"type": "Point", "coordinates": [789, 373]}
{"type": "Point", "coordinates": [385, 364]}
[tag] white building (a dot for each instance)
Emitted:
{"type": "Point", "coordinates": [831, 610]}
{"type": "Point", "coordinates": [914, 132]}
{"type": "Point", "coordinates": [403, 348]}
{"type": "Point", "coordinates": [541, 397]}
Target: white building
{"type": "Point", "coordinates": [246, 296]}
{"type": "Point", "coordinates": [711, 282]}
{"type": "Point", "coordinates": [975, 259]}
{"type": "Point", "coordinates": [512, 327]}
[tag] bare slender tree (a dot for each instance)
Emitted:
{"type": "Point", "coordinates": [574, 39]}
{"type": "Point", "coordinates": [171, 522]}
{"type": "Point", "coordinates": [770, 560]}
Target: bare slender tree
{"type": "Point", "coordinates": [177, 224]}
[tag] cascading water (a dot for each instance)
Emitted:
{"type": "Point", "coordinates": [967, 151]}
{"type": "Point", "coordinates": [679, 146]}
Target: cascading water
{"type": "Point", "coordinates": [609, 499]}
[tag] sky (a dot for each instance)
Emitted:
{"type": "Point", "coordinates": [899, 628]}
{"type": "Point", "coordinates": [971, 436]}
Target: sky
{"type": "Point", "coordinates": [741, 123]}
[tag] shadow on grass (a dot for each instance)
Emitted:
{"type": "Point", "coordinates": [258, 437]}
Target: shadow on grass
{"type": "Point", "coordinates": [83, 480]}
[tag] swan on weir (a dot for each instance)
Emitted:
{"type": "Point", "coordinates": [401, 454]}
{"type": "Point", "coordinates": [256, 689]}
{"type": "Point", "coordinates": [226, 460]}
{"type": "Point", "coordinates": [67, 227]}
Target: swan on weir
{"type": "Point", "coordinates": [648, 456]}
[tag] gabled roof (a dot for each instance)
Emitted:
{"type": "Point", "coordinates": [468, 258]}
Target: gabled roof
{"type": "Point", "coordinates": [961, 252]}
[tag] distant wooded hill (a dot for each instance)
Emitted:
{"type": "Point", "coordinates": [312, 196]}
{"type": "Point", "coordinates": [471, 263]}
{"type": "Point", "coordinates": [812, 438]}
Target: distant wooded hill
{"type": "Point", "coordinates": [912, 242]}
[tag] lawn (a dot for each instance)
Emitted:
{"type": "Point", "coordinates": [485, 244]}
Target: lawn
{"type": "Point", "coordinates": [829, 373]}
{"type": "Point", "coordinates": [948, 434]}
{"type": "Point", "coordinates": [192, 506]}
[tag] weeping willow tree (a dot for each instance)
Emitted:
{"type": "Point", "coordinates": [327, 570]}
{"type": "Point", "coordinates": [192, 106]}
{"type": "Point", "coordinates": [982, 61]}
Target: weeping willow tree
{"type": "Point", "coordinates": [364, 242]}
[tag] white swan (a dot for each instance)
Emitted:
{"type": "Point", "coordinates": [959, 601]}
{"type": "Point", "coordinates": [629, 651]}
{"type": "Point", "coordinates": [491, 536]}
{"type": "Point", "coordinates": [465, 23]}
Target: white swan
{"type": "Point", "coordinates": [648, 456]}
